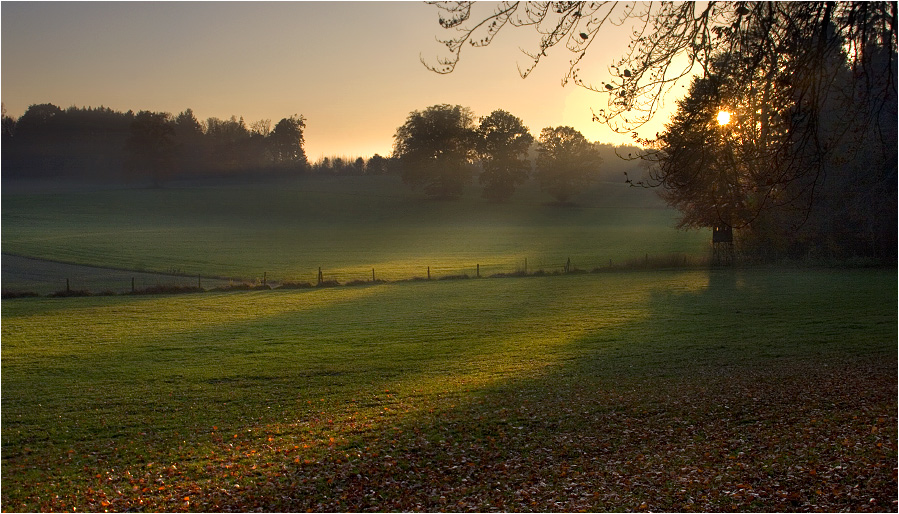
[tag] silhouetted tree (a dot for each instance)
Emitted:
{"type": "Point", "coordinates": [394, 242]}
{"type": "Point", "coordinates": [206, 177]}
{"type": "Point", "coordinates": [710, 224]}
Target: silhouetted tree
{"type": "Point", "coordinates": [780, 48]}
{"type": "Point", "coordinates": [338, 165]}
{"type": "Point", "coordinates": [262, 127]}
{"type": "Point", "coordinates": [322, 166]}
{"type": "Point", "coordinates": [376, 165]}
{"type": "Point", "coordinates": [38, 141]}
{"type": "Point", "coordinates": [151, 145]}
{"type": "Point", "coordinates": [566, 162]}
{"type": "Point", "coordinates": [100, 143]}
{"type": "Point", "coordinates": [191, 149]}
{"type": "Point", "coordinates": [359, 166]}
{"type": "Point", "coordinates": [797, 175]}
{"type": "Point", "coordinates": [286, 142]}
{"type": "Point", "coordinates": [8, 129]}
{"type": "Point", "coordinates": [96, 138]}
{"type": "Point", "coordinates": [228, 140]}
{"type": "Point", "coordinates": [503, 144]}
{"type": "Point", "coordinates": [437, 148]}
{"type": "Point", "coordinates": [76, 142]}
{"type": "Point", "coordinates": [665, 32]}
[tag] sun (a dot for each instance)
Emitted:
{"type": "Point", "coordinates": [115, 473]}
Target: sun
{"type": "Point", "coordinates": [723, 117]}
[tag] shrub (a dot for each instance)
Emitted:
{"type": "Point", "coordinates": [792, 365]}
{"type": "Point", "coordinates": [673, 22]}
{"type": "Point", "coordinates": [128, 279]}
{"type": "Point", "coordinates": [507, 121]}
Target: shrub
{"type": "Point", "coordinates": [365, 282]}
{"type": "Point", "coordinates": [168, 289]}
{"type": "Point", "coordinates": [295, 285]}
{"type": "Point", "coordinates": [19, 294]}
{"type": "Point", "coordinates": [70, 293]}
{"type": "Point", "coordinates": [454, 277]}
{"type": "Point", "coordinates": [510, 275]}
{"type": "Point", "coordinates": [233, 287]}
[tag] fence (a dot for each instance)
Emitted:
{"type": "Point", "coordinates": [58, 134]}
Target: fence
{"type": "Point", "coordinates": [98, 281]}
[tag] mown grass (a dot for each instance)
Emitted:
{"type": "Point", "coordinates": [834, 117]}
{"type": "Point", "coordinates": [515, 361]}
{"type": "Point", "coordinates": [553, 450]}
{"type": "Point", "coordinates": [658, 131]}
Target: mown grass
{"type": "Point", "coordinates": [703, 390]}
{"type": "Point", "coordinates": [345, 226]}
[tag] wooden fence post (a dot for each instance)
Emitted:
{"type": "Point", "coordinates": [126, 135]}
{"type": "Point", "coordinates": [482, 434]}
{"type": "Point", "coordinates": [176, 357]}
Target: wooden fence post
{"type": "Point", "coordinates": [67, 286]}
{"type": "Point", "coordinates": [372, 274]}
{"type": "Point", "coordinates": [479, 270]}
{"type": "Point", "coordinates": [429, 273]}
{"type": "Point", "coordinates": [320, 280]}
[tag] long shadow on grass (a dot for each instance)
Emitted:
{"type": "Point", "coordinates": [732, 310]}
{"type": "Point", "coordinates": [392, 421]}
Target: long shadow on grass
{"type": "Point", "coordinates": [760, 392]}
{"type": "Point", "coordinates": [796, 411]}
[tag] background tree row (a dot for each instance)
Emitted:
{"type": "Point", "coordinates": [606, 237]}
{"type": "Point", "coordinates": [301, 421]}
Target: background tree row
{"type": "Point", "coordinates": [100, 143]}
{"type": "Point", "coordinates": [441, 148]}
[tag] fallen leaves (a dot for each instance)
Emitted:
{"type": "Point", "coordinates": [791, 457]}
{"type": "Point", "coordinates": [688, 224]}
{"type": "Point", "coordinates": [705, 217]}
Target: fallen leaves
{"type": "Point", "coordinates": [792, 438]}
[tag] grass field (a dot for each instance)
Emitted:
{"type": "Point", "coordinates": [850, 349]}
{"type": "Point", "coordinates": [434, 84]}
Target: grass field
{"type": "Point", "coordinates": [759, 389]}
{"type": "Point", "coordinates": [703, 389]}
{"type": "Point", "coordinates": [347, 226]}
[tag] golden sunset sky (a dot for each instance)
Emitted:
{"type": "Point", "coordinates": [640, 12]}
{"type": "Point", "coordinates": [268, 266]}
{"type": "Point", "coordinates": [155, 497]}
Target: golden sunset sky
{"type": "Point", "coordinates": [351, 68]}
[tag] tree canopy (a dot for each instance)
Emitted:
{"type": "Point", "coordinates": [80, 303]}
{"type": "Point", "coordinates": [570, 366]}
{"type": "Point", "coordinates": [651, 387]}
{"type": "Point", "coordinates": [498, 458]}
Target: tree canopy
{"type": "Point", "coordinates": [100, 143]}
{"type": "Point", "coordinates": [286, 141]}
{"type": "Point", "coordinates": [503, 145]}
{"type": "Point", "coordinates": [436, 148]}
{"type": "Point", "coordinates": [150, 147]}
{"type": "Point", "coordinates": [811, 85]}
{"type": "Point", "coordinates": [672, 40]}
{"type": "Point", "coordinates": [566, 162]}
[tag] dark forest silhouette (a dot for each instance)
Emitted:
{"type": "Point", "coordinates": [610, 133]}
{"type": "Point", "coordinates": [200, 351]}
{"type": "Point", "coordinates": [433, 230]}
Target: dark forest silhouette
{"type": "Point", "coordinates": [102, 144]}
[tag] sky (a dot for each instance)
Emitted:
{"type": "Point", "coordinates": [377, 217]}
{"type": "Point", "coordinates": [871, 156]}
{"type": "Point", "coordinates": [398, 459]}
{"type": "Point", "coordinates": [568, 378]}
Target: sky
{"type": "Point", "coordinates": [352, 69]}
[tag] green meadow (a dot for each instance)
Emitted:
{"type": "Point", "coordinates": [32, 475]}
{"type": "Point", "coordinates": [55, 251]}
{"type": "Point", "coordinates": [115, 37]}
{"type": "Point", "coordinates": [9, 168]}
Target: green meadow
{"type": "Point", "coordinates": [346, 226]}
{"type": "Point", "coordinates": [694, 389]}
{"type": "Point", "coordinates": [706, 390]}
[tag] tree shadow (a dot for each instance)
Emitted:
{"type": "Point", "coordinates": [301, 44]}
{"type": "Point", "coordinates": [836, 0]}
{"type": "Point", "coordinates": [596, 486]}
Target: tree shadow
{"type": "Point", "coordinates": [736, 391]}
{"type": "Point", "coordinates": [701, 417]}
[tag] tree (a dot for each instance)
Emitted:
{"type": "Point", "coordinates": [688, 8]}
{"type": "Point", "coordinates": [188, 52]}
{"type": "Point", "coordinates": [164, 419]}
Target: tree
{"type": "Point", "coordinates": [262, 127]}
{"type": "Point", "coordinates": [566, 162]}
{"type": "Point", "coordinates": [376, 165]}
{"type": "Point", "coordinates": [228, 140]}
{"type": "Point", "coordinates": [503, 144]}
{"type": "Point", "coordinates": [150, 147]}
{"type": "Point", "coordinates": [191, 150]}
{"type": "Point", "coordinates": [771, 45]}
{"type": "Point", "coordinates": [286, 142]}
{"type": "Point", "coordinates": [8, 128]}
{"type": "Point", "coordinates": [754, 172]}
{"type": "Point", "coordinates": [665, 32]}
{"type": "Point", "coordinates": [715, 170]}
{"type": "Point", "coordinates": [38, 141]}
{"type": "Point", "coordinates": [437, 148]}
{"type": "Point", "coordinates": [359, 166]}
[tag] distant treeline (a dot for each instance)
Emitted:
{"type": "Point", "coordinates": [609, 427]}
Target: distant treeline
{"type": "Point", "coordinates": [100, 143]}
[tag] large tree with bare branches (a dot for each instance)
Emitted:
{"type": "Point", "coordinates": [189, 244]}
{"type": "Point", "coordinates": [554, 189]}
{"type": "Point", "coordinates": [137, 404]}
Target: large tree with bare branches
{"type": "Point", "coordinates": [812, 86]}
